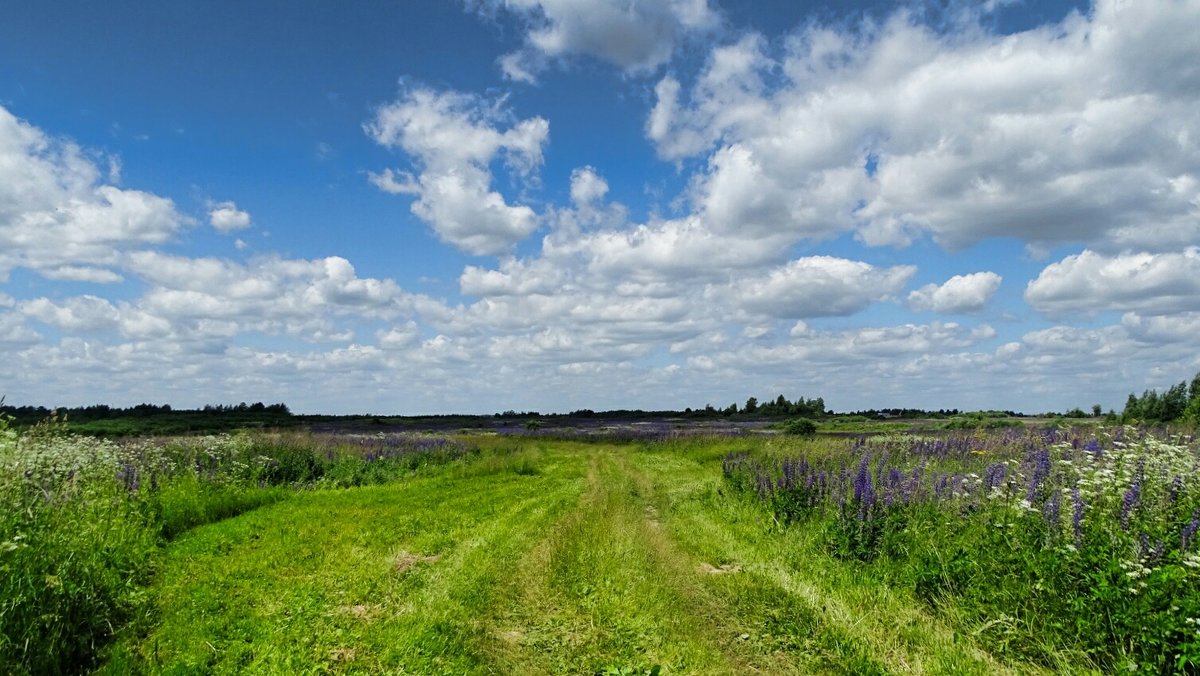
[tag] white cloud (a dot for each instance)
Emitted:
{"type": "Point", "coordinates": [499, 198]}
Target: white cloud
{"type": "Point", "coordinates": [399, 337]}
{"type": "Point", "coordinates": [636, 36]}
{"type": "Point", "coordinates": [1157, 330]}
{"type": "Point", "coordinates": [1145, 283]}
{"type": "Point", "coordinates": [56, 214]}
{"type": "Point", "coordinates": [226, 217]}
{"type": "Point", "coordinates": [673, 249]}
{"type": "Point", "coordinates": [1078, 132]}
{"type": "Point", "coordinates": [265, 288]}
{"type": "Point", "coordinates": [819, 286]}
{"type": "Point", "coordinates": [587, 186]}
{"type": "Point", "coordinates": [452, 139]}
{"type": "Point", "coordinates": [82, 274]}
{"type": "Point", "coordinates": [13, 331]}
{"type": "Point", "coordinates": [959, 294]}
{"type": "Point", "coordinates": [83, 313]}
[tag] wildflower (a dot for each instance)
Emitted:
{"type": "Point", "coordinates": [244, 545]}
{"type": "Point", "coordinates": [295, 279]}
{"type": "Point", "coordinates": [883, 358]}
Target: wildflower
{"type": "Point", "coordinates": [1189, 532]}
{"type": "Point", "coordinates": [1077, 517]}
{"type": "Point", "coordinates": [1129, 502]}
{"type": "Point", "coordinates": [1052, 511]}
{"type": "Point", "coordinates": [994, 475]}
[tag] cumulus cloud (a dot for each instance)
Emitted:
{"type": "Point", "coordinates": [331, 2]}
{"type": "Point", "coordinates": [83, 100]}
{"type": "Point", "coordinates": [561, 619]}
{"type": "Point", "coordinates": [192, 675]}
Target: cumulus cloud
{"type": "Point", "coordinates": [226, 217]}
{"type": "Point", "coordinates": [265, 288]}
{"type": "Point", "coordinates": [820, 286]}
{"type": "Point", "coordinates": [637, 36]}
{"type": "Point", "coordinates": [84, 313]}
{"type": "Point", "coordinates": [57, 214]}
{"type": "Point", "coordinates": [1146, 283]}
{"type": "Point", "coordinates": [14, 333]}
{"type": "Point", "coordinates": [452, 139]}
{"type": "Point", "coordinates": [1082, 131]}
{"type": "Point", "coordinates": [959, 294]}
{"type": "Point", "coordinates": [587, 186]}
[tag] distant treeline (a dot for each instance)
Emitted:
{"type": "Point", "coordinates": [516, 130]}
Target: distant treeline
{"type": "Point", "coordinates": [778, 407]}
{"type": "Point", "coordinates": [101, 419]}
{"type": "Point", "coordinates": [1178, 403]}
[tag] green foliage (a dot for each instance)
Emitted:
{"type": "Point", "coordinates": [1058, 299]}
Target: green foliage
{"type": "Point", "coordinates": [988, 420]}
{"type": "Point", "coordinates": [751, 405]}
{"type": "Point", "coordinates": [83, 520]}
{"type": "Point", "coordinates": [1180, 402]}
{"type": "Point", "coordinates": [800, 427]}
{"type": "Point", "coordinates": [1089, 545]}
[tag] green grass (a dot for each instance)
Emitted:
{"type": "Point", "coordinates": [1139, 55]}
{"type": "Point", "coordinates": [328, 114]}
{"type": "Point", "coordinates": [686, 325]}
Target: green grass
{"type": "Point", "coordinates": [303, 553]}
{"type": "Point", "coordinates": [535, 557]}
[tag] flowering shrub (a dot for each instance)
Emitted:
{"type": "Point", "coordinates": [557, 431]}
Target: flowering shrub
{"type": "Point", "coordinates": [1049, 539]}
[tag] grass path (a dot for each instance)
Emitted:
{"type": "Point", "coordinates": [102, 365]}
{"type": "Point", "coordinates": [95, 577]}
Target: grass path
{"type": "Point", "coordinates": [559, 558]}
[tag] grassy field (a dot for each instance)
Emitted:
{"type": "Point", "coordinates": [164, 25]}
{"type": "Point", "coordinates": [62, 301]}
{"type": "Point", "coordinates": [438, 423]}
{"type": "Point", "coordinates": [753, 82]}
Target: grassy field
{"type": "Point", "coordinates": [1008, 551]}
{"type": "Point", "coordinates": [550, 558]}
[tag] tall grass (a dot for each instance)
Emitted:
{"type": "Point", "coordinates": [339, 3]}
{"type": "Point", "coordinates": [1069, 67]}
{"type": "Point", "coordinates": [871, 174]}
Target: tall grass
{"type": "Point", "coordinates": [1050, 541]}
{"type": "Point", "coordinates": [83, 520]}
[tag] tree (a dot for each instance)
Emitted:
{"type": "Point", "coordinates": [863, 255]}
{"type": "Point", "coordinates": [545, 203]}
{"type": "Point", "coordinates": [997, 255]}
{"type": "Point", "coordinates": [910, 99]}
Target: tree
{"type": "Point", "coordinates": [1133, 408]}
{"type": "Point", "coordinates": [1173, 401]}
{"type": "Point", "coordinates": [751, 405]}
{"type": "Point", "coordinates": [1191, 414]}
{"type": "Point", "coordinates": [1096, 410]}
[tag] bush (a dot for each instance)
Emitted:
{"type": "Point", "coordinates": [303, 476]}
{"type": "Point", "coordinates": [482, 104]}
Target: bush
{"type": "Point", "coordinates": [800, 427]}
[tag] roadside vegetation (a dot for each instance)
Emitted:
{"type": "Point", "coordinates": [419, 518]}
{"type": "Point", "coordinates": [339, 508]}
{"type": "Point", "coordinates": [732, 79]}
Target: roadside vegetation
{"type": "Point", "coordinates": [83, 521]}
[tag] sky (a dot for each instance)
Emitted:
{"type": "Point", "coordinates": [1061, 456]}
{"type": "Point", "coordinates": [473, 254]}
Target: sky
{"type": "Point", "coordinates": [469, 206]}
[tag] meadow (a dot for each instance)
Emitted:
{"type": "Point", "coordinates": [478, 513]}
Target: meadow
{"type": "Point", "coordinates": [650, 550]}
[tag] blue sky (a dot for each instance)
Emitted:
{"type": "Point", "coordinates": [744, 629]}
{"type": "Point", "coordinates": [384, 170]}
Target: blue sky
{"type": "Point", "coordinates": [422, 207]}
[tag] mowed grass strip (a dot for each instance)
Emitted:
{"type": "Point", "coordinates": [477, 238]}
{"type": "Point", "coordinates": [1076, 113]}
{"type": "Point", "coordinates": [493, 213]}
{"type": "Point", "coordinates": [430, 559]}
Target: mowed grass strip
{"type": "Point", "coordinates": [604, 593]}
{"type": "Point", "coordinates": [385, 579]}
{"type": "Point", "coordinates": [537, 558]}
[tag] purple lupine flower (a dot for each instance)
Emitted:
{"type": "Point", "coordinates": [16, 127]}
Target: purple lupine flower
{"type": "Point", "coordinates": [895, 481]}
{"type": "Point", "coordinates": [128, 476]}
{"type": "Point", "coordinates": [1077, 517]}
{"type": "Point", "coordinates": [864, 490]}
{"type": "Point", "coordinates": [1156, 553]}
{"type": "Point", "coordinates": [1040, 470]}
{"type": "Point", "coordinates": [764, 485]}
{"type": "Point", "coordinates": [994, 475]}
{"type": "Point", "coordinates": [880, 467]}
{"type": "Point", "coordinates": [915, 489]}
{"type": "Point", "coordinates": [1052, 511]}
{"type": "Point", "coordinates": [1188, 536]}
{"type": "Point", "coordinates": [1128, 503]}
{"type": "Point", "coordinates": [1175, 489]}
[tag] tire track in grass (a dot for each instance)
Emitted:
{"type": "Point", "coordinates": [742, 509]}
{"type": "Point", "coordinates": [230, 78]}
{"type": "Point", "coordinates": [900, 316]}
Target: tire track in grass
{"type": "Point", "coordinates": [857, 625]}
{"type": "Point", "coordinates": [596, 593]}
{"type": "Point", "coordinates": [447, 626]}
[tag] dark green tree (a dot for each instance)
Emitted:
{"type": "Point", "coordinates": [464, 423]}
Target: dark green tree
{"type": "Point", "coordinates": [751, 405]}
